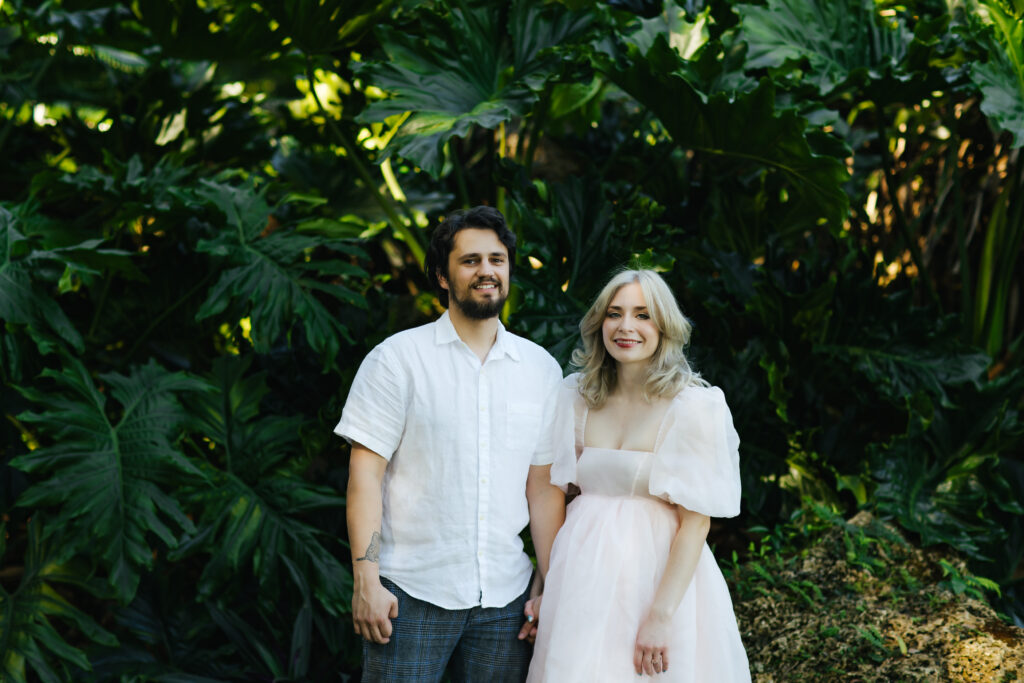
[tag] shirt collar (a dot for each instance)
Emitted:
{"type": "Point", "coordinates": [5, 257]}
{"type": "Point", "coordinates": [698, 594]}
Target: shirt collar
{"type": "Point", "coordinates": [504, 344]}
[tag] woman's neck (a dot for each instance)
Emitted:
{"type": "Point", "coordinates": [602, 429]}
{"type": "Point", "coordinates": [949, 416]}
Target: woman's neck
{"type": "Point", "coordinates": [629, 380]}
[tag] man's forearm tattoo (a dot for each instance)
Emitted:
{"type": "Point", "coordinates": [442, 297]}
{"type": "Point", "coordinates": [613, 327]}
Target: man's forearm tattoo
{"type": "Point", "coordinates": [372, 550]}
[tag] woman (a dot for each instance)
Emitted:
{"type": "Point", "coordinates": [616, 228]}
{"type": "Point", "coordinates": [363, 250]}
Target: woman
{"type": "Point", "coordinates": [632, 587]}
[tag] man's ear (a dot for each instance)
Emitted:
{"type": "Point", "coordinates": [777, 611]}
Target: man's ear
{"type": "Point", "coordinates": [441, 279]}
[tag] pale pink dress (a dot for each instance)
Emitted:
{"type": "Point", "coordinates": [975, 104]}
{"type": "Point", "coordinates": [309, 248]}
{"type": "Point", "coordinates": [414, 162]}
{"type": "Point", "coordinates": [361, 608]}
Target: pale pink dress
{"type": "Point", "coordinates": [610, 554]}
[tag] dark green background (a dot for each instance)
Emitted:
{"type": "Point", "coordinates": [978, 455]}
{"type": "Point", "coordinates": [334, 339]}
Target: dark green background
{"type": "Point", "coordinates": [197, 250]}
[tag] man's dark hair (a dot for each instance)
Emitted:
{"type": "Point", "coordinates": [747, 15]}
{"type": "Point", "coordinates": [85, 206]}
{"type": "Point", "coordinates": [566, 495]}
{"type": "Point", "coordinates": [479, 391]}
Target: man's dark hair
{"type": "Point", "coordinates": [443, 240]}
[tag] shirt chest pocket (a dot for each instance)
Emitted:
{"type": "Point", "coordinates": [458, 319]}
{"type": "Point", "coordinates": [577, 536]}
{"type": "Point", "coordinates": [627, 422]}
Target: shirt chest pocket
{"type": "Point", "coordinates": [523, 426]}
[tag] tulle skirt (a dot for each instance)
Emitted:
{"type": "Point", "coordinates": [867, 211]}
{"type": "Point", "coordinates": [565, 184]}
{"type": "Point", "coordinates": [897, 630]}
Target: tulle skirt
{"type": "Point", "coordinates": [606, 564]}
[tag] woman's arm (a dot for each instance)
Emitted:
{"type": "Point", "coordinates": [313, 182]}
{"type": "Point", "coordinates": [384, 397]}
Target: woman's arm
{"type": "Point", "coordinates": [650, 655]}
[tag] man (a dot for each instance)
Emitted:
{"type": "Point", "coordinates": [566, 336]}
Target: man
{"type": "Point", "coordinates": [450, 426]}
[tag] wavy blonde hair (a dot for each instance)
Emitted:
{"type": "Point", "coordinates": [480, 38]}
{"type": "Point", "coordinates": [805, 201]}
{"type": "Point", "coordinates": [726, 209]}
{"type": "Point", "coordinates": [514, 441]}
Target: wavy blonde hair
{"type": "Point", "coordinates": [668, 371]}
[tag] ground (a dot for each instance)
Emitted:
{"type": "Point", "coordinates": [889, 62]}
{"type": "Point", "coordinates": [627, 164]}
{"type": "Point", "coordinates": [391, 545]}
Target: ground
{"type": "Point", "coordinates": [864, 605]}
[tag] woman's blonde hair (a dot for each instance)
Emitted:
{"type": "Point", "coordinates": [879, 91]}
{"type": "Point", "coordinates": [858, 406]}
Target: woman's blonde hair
{"type": "Point", "coordinates": [668, 371]}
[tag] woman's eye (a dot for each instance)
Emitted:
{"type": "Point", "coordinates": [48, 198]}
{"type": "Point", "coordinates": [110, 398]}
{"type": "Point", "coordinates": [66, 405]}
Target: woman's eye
{"type": "Point", "coordinates": [612, 314]}
{"type": "Point", "coordinates": [643, 316]}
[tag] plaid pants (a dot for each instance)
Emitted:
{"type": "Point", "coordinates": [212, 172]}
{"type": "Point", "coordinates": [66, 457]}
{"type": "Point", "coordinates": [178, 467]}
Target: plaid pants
{"type": "Point", "coordinates": [476, 644]}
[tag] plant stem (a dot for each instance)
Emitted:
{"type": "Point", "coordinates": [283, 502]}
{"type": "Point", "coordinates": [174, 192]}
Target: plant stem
{"type": "Point", "coordinates": [460, 173]}
{"type": "Point", "coordinates": [537, 127]}
{"type": "Point", "coordinates": [163, 316]}
{"type": "Point", "coordinates": [501, 155]}
{"type": "Point", "coordinates": [966, 296]}
{"type": "Point", "coordinates": [90, 335]}
{"type": "Point", "coordinates": [396, 222]}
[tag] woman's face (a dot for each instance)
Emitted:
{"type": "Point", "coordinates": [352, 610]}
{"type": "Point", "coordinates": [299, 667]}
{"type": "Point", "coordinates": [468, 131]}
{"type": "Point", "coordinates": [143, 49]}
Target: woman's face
{"type": "Point", "coordinates": [629, 334]}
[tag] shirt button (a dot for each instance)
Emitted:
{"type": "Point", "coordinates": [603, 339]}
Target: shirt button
{"type": "Point", "coordinates": [481, 518]}
{"type": "Point", "coordinates": [483, 480]}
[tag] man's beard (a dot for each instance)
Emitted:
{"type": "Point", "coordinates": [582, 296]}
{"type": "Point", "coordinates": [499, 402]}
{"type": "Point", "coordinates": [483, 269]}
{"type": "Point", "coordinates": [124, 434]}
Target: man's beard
{"type": "Point", "coordinates": [480, 310]}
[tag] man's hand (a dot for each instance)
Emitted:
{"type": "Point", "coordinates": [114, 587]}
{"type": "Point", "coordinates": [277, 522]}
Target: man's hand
{"type": "Point", "coordinates": [532, 611]}
{"type": "Point", "coordinates": [373, 608]}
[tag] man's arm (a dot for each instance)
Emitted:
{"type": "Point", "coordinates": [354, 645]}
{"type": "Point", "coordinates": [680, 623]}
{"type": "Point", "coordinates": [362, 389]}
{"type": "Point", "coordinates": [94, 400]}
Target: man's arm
{"type": "Point", "coordinates": [373, 606]}
{"type": "Point", "coordinates": [547, 512]}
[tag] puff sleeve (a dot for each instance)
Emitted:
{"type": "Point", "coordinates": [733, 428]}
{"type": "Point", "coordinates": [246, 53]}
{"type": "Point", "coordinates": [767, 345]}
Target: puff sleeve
{"type": "Point", "coordinates": [697, 460]}
{"type": "Point", "coordinates": [567, 433]}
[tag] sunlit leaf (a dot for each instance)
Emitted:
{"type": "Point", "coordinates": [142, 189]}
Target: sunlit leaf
{"type": "Point", "coordinates": [266, 276]}
{"type": "Point", "coordinates": [719, 130]}
{"type": "Point", "coordinates": [837, 39]}
{"type": "Point", "coordinates": [1001, 78]}
{"type": "Point", "coordinates": [471, 67]}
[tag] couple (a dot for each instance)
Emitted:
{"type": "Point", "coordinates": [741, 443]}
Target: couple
{"type": "Point", "coordinates": [463, 433]}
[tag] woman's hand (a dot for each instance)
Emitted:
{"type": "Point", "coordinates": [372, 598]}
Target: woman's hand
{"type": "Point", "coordinates": [650, 655]}
{"type": "Point", "coordinates": [532, 612]}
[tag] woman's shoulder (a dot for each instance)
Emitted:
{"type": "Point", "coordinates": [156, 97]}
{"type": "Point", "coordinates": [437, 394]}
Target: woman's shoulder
{"type": "Point", "coordinates": [700, 392]}
{"type": "Point", "coordinates": [572, 380]}
{"type": "Point", "coordinates": [696, 398]}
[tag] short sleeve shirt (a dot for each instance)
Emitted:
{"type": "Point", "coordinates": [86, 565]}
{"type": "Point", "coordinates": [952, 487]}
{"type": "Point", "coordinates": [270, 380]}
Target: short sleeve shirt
{"type": "Point", "coordinates": [460, 437]}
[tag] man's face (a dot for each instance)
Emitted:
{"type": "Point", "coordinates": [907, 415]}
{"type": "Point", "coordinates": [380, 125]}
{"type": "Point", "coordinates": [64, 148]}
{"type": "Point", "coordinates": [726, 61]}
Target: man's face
{"type": "Point", "coordinates": [478, 274]}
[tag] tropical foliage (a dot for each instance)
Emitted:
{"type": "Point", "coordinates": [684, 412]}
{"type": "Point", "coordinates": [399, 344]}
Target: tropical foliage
{"type": "Point", "coordinates": [211, 210]}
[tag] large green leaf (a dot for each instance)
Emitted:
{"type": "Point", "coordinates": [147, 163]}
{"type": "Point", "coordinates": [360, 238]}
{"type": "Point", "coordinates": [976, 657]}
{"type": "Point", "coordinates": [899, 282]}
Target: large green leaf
{"type": "Point", "coordinates": [23, 299]}
{"type": "Point", "coordinates": [946, 478]}
{"type": "Point", "coordinates": [270, 278]}
{"type": "Point", "coordinates": [28, 639]}
{"type": "Point", "coordinates": [837, 39]}
{"type": "Point", "coordinates": [318, 26]}
{"type": "Point", "coordinates": [473, 66]}
{"type": "Point", "coordinates": [1001, 78]}
{"type": "Point", "coordinates": [806, 188]}
{"type": "Point", "coordinates": [107, 477]}
{"type": "Point", "coordinates": [900, 369]}
{"type": "Point", "coordinates": [166, 639]}
{"type": "Point", "coordinates": [252, 513]}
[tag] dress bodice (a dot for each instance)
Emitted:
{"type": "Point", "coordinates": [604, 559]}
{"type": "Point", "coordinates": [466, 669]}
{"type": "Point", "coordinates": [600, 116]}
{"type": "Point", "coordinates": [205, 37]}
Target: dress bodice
{"type": "Point", "coordinates": [615, 472]}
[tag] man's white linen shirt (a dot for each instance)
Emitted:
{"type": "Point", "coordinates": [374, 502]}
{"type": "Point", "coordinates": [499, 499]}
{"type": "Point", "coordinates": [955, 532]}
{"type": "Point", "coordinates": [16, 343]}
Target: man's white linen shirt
{"type": "Point", "coordinates": [460, 437]}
